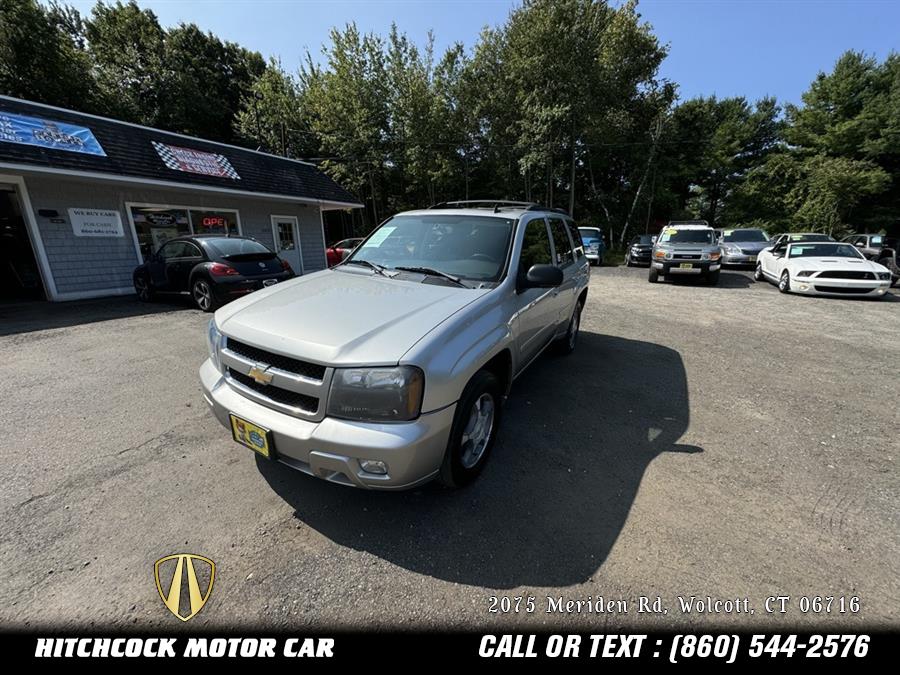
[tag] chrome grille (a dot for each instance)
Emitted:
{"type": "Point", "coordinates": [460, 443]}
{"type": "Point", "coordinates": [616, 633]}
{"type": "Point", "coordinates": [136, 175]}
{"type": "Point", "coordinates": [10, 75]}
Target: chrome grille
{"type": "Point", "coordinates": [290, 365]}
{"type": "Point", "coordinates": [283, 396]}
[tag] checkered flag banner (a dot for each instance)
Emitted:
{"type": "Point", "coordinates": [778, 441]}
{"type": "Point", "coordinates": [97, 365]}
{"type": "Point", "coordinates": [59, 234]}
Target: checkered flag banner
{"type": "Point", "coordinates": [195, 161]}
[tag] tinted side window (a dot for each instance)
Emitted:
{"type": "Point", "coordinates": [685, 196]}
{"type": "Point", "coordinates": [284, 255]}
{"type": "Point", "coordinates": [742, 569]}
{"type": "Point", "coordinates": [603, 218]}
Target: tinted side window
{"type": "Point", "coordinates": [564, 254]}
{"type": "Point", "coordinates": [190, 251]}
{"type": "Point", "coordinates": [535, 246]}
{"type": "Point", "coordinates": [576, 239]}
{"type": "Point", "coordinates": [171, 250]}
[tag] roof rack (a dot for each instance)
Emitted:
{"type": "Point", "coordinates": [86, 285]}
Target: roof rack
{"type": "Point", "coordinates": [496, 205]}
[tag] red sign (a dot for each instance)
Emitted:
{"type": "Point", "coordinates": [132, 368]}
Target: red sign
{"type": "Point", "coordinates": [213, 221]}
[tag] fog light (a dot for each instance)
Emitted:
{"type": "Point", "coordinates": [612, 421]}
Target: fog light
{"type": "Point", "coordinates": [373, 466]}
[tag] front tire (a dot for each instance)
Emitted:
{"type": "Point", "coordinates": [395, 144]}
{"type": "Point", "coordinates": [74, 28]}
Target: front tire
{"type": "Point", "coordinates": [653, 277]}
{"type": "Point", "coordinates": [784, 284]}
{"type": "Point", "coordinates": [712, 278]}
{"type": "Point", "coordinates": [202, 293]}
{"type": "Point", "coordinates": [474, 429]}
{"type": "Point", "coordinates": [758, 273]}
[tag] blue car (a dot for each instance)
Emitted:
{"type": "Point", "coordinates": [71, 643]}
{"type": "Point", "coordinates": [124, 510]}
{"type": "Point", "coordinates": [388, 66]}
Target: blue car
{"type": "Point", "coordinates": [594, 246]}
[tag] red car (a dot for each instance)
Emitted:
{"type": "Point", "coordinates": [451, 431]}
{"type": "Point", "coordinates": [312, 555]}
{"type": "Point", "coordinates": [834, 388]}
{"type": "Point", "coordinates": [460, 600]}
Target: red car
{"type": "Point", "coordinates": [337, 252]}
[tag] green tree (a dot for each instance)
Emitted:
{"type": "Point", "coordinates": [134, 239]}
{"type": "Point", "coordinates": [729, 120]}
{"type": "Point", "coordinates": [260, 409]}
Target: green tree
{"type": "Point", "coordinates": [42, 55]}
{"type": "Point", "coordinates": [272, 115]}
{"type": "Point", "coordinates": [127, 47]}
{"type": "Point", "coordinates": [204, 82]}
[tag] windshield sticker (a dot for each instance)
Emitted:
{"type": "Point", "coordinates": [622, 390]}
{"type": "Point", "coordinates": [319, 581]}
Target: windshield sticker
{"type": "Point", "coordinates": [378, 238]}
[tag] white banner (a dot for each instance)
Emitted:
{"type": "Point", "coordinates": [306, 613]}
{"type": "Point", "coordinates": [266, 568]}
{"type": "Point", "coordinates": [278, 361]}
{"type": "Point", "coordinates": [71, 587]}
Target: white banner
{"type": "Point", "coordinates": [96, 223]}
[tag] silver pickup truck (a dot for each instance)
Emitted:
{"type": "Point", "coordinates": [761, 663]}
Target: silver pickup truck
{"type": "Point", "coordinates": [390, 369]}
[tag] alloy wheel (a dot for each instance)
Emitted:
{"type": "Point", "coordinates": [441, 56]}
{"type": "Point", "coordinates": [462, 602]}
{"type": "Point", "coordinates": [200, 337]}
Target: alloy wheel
{"type": "Point", "coordinates": [202, 295]}
{"type": "Point", "coordinates": [478, 430]}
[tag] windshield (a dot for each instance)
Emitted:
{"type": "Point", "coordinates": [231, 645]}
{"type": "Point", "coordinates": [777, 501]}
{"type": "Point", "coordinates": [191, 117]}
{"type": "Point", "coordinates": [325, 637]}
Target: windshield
{"type": "Point", "coordinates": [643, 240]}
{"type": "Point", "coordinates": [470, 247]}
{"type": "Point", "coordinates": [745, 235]}
{"type": "Point", "coordinates": [824, 251]}
{"type": "Point", "coordinates": [589, 233]}
{"type": "Point", "coordinates": [233, 246]}
{"type": "Point", "coordinates": [809, 237]}
{"type": "Point", "coordinates": [675, 236]}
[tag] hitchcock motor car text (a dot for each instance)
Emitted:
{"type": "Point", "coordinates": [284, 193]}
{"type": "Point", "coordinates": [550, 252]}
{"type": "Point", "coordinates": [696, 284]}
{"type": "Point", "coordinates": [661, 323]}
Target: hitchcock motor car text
{"type": "Point", "coordinates": [692, 604]}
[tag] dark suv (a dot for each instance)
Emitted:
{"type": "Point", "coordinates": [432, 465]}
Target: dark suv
{"type": "Point", "coordinates": [212, 268]}
{"type": "Point", "coordinates": [880, 248]}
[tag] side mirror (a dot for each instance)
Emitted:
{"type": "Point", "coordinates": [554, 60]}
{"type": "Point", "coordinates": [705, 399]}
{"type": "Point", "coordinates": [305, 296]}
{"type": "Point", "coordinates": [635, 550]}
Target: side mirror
{"type": "Point", "coordinates": [542, 276]}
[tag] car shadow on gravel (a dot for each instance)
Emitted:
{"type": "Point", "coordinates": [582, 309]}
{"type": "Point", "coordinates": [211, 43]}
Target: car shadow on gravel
{"type": "Point", "coordinates": [578, 434]}
{"type": "Point", "coordinates": [26, 317]}
{"type": "Point", "coordinates": [727, 279]}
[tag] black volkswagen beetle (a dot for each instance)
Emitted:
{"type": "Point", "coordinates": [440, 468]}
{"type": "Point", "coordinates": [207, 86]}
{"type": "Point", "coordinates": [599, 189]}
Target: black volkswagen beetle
{"type": "Point", "coordinates": [212, 268]}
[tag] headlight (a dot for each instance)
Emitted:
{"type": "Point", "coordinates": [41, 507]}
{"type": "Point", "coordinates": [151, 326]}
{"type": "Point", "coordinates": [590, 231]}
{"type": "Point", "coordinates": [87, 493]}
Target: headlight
{"type": "Point", "coordinates": [715, 255]}
{"type": "Point", "coordinates": [805, 273]}
{"type": "Point", "coordinates": [884, 276]}
{"type": "Point", "coordinates": [214, 343]}
{"type": "Point", "coordinates": [732, 250]}
{"type": "Point", "coordinates": [659, 253]}
{"type": "Point", "coordinates": [377, 394]}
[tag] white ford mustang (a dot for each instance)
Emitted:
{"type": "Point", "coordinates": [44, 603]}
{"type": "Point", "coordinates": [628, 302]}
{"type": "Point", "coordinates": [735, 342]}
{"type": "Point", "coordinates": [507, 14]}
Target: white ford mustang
{"type": "Point", "coordinates": [822, 268]}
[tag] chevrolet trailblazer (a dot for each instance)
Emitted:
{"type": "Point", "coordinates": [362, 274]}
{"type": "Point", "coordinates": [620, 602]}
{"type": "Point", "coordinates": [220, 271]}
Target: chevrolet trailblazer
{"type": "Point", "coordinates": [441, 309]}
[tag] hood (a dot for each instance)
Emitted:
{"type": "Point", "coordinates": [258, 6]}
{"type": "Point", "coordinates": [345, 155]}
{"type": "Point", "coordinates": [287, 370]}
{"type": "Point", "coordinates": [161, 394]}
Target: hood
{"type": "Point", "coordinates": [838, 264]}
{"type": "Point", "coordinates": [343, 318]}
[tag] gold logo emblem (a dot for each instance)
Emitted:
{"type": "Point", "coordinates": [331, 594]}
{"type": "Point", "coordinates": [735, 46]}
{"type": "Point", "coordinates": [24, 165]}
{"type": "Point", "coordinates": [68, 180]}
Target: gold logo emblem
{"type": "Point", "coordinates": [172, 598]}
{"type": "Point", "coordinates": [260, 373]}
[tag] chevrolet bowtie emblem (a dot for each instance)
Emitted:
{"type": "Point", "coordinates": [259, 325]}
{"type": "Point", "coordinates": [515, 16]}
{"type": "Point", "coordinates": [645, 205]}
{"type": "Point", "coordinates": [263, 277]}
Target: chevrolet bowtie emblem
{"type": "Point", "coordinates": [196, 598]}
{"type": "Point", "coordinates": [260, 373]}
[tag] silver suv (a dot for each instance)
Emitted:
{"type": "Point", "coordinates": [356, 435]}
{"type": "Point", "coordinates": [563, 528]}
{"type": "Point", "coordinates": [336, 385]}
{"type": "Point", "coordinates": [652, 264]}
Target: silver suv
{"type": "Point", "coordinates": [390, 368]}
{"type": "Point", "coordinates": [686, 249]}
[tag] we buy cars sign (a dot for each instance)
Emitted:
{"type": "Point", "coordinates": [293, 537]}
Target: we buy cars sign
{"type": "Point", "coordinates": [195, 161]}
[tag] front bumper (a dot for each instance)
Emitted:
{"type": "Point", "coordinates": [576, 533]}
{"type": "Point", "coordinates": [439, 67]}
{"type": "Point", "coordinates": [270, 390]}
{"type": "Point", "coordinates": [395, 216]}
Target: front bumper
{"type": "Point", "coordinates": [595, 256]}
{"type": "Point", "coordinates": [865, 288]}
{"type": "Point", "coordinates": [332, 448]}
{"type": "Point", "coordinates": [667, 267]}
{"type": "Point", "coordinates": [739, 258]}
{"type": "Point", "coordinates": [642, 258]}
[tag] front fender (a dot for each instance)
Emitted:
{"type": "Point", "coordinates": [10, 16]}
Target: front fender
{"type": "Point", "coordinates": [454, 351]}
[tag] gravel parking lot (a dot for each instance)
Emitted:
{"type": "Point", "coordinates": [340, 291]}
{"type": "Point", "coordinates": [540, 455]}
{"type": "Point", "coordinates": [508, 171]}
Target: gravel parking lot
{"type": "Point", "coordinates": [728, 442]}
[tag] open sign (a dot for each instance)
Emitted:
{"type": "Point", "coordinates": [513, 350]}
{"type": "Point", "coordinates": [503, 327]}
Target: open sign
{"type": "Point", "coordinates": [213, 221]}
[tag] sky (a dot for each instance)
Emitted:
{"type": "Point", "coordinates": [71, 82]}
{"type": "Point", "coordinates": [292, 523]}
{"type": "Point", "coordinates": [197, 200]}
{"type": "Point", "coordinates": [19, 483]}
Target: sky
{"type": "Point", "coordinates": [752, 48]}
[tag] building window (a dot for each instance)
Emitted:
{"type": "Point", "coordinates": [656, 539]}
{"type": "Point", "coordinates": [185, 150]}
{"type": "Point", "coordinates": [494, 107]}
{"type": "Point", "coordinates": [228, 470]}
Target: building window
{"type": "Point", "coordinates": [214, 222]}
{"type": "Point", "coordinates": [155, 225]}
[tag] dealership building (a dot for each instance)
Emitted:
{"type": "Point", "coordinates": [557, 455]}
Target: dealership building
{"type": "Point", "coordinates": [85, 199]}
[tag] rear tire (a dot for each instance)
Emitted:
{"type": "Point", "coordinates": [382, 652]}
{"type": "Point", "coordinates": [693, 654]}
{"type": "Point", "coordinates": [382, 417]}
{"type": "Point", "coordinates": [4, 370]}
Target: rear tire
{"type": "Point", "coordinates": [474, 430]}
{"type": "Point", "coordinates": [202, 293]}
{"type": "Point", "coordinates": [143, 288]}
{"type": "Point", "coordinates": [566, 344]}
{"type": "Point", "coordinates": [784, 284]}
{"type": "Point", "coordinates": [627, 261]}
{"type": "Point", "coordinates": [653, 277]}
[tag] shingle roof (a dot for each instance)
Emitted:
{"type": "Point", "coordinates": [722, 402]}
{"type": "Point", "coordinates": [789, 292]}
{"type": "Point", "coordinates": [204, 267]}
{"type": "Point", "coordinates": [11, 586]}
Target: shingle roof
{"type": "Point", "coordinates": [130, 152]}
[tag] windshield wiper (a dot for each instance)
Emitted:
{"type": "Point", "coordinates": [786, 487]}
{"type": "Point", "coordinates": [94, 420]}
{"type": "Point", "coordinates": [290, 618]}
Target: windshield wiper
{"type": "Point", "coordinates": [430, 271]}
{"type": "Point", "coordinates": [379, 269]}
